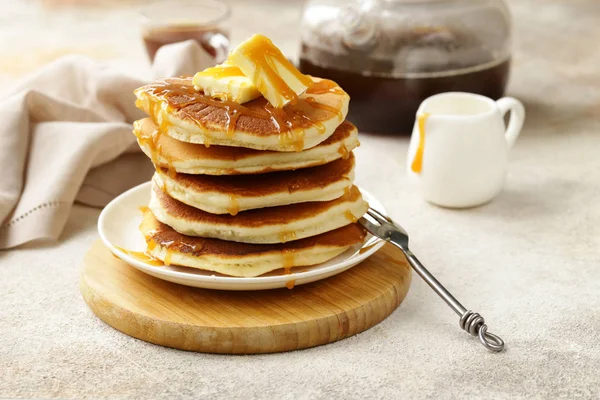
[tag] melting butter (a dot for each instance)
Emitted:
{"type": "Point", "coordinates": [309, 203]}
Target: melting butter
{"type": "Point", "coordinates": [226, 82]}
{"type": "Point", "coordinates": [275, 77]}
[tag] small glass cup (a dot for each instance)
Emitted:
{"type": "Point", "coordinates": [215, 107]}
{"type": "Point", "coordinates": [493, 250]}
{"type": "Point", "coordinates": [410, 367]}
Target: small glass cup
{"type": "Point", "coordinates": [204, 21]}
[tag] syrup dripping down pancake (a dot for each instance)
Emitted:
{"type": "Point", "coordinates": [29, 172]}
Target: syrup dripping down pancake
{"type": "Point", "coordinates": [244, 259]}
{"type": "Point", "coordinates": [188, 115]}
{"type": "Point", "coordinates": [264, 225]}
{"type": "Point", "coordinates": [234, 193]}
{"type": "Point", "coordinates": [189, 158]}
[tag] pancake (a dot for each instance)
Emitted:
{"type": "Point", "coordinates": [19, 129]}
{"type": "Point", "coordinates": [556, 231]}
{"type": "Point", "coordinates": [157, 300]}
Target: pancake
{"type": "Point", "coordinates": [188, 115]}
{"type": "Point", "coordinates": [234, 193]}
{"type": "Point", "coordinates": [264, 225]}
{"type": "Point", "coordinates": [189, 158]}
{"type": "Point", "coordinates": [243, 259]}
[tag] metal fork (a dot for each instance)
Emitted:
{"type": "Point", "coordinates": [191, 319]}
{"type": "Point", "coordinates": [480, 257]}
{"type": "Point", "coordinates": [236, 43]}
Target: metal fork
{"type": "Point", "coordinates": [471, 322]}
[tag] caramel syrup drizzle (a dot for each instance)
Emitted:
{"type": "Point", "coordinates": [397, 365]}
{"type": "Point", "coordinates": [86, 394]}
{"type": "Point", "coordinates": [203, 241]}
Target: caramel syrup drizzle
{"type": "Point", "coordinates": [234, 205]}
{"type": "Point", "coordinates": [164, 186]}
{"type": "Point", "coordinates": [343, 150]}
{"type": "Point", "coordinates": [151, 243]}
{"type": "Point", "coordinates": [287, 236]}
{"type": "Point", "coordinates": [288, 261]}
{"type": "Point", "coordinates": [367, 248]}
{"type": "Point", "coordinates": [350, 217]}
{"type": "Point", "coordinates": [232, 117]}
{"type": "Point", "coordinates": [325, 86]}
{"type": "Point", "coordinates": [284, 121]}
{"type": "Point", "coordinates": [226, 71]}
{"type": "Point", "coordinates": [157, 155]}
{"type": "Point", "coordinates": [417, 163]}
{"type": "Point", "coordinates": [187, 95]}
{"type": "Point", "coordinates": [290, 284]}
{"type": "Point", "coordinates": [189, 248]}
{"type": "Point", "coordinates": [222, 71]}
{"type": "Point", "coordinates": [287, 135]}
{"type": "Point", "coordinates": [141, 256]}
{"type": "Point", "coordinates": [315, 104]}
{"type": "Point", "coordinates": [283, 118]}
{"type": "Point", "coordinates": [168, 257]}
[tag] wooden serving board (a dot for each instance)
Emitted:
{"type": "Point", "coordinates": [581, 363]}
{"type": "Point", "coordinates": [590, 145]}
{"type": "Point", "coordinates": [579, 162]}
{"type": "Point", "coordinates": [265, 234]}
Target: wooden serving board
{"type": "Point", "coordinates": [233, 322]}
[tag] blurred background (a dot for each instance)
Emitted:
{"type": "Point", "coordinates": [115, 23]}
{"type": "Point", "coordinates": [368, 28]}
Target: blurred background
{"type": "Point", "coordinates": [549, 41]}
{"type": "Point", "coordinates": [35, 32]}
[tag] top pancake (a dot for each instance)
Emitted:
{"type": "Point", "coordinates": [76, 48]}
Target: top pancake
{"type": "Point", "coordinates": [190, 116]}
{"type": "Point", "coordinates": [189, 158]}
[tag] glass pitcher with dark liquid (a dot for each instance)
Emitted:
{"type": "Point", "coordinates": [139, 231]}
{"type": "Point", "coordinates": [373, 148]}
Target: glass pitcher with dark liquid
{"type": "Point", "coordinates": [390, 55]}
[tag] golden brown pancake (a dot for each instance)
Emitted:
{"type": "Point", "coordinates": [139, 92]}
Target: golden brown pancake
{"type": "Point", "coordinates": [262, 225]}
{"type": "Point", "coordinates": [244, 259]}
{"type": "Point", "coordinates": [234, 193]}
{"type": "Point", "coordinates": [189, 158]}
{"type": "Point", "coordinates": [188, 115]}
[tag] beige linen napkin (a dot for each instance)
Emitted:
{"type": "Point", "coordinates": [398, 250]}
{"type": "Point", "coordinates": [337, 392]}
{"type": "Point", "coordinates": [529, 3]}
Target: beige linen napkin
{"type": "Point", "coordinates": [65, 136]}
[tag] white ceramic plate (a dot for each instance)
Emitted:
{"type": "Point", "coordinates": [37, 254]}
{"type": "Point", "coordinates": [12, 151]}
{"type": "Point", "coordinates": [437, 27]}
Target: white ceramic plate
{"type": "Point", "coordinates": [118, 227]}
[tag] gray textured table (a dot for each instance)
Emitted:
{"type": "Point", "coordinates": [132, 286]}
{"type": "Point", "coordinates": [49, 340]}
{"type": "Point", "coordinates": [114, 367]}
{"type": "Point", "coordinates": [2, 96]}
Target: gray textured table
{"type": "Point", "coordinates": [529, 261]}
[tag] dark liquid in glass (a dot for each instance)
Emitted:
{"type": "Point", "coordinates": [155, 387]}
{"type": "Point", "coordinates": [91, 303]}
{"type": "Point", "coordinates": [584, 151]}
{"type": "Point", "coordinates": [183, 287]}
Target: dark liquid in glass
{"type": "Point", "coordinates": [156, 37]}
{"type": "Point", "coordinates": [388, 105]}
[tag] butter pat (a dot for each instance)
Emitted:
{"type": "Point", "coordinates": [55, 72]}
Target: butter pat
{"type": "Point", "coordinates": [226, 82]}
{"type": "Point", "coordinates": [273, 75]}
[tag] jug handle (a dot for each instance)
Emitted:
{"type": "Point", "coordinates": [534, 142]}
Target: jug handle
{"type": "Point", "coordinates": [517, 117]}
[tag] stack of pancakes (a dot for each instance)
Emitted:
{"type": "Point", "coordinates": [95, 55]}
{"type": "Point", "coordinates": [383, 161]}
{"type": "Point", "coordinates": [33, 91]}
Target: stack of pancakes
{"type": "Point", "coordinates": [244, 189]}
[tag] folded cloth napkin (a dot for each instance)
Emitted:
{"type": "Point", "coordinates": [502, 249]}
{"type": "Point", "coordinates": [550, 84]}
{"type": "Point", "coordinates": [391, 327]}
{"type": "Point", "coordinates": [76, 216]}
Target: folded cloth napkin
{"type": "Point", "coordinates": [65, 136]}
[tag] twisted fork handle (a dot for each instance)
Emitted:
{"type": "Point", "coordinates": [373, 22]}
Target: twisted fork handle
{"type": "Point", "coordinates": [470, 322]}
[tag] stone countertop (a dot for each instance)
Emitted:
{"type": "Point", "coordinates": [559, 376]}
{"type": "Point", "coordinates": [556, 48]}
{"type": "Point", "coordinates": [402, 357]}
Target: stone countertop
{"type": "Point", "coordinates": [528, 261]}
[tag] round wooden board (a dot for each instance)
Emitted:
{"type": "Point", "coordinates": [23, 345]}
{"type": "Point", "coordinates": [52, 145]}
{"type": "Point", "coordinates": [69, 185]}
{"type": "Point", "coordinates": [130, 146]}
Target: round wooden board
{"type": "Point", "coordinates": [233, 322]}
